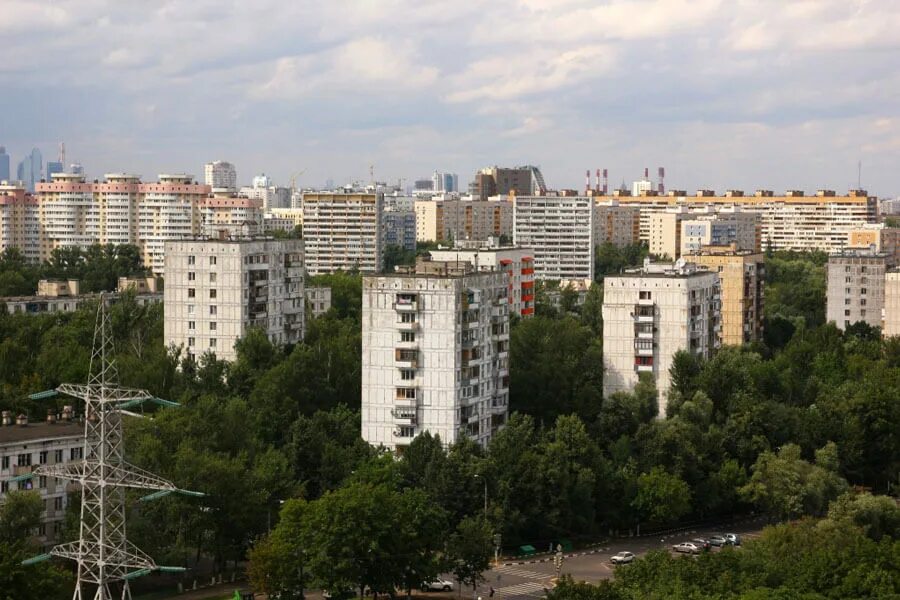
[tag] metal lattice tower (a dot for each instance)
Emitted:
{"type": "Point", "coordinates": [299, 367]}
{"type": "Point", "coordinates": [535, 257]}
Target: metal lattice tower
{"type": "Point", "coordinates": [103, 553]}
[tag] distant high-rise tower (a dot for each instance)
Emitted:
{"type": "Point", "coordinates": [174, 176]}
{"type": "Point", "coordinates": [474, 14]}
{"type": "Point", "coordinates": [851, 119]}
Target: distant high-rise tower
{"type": "Point", "coordinates": [4, 164]}
{"type": "Point", "coordinates": [221, 175]}
{"type": "Point", "coordinates": [29, 170]}
{"type": "Point", "coordinates": [76, 169]}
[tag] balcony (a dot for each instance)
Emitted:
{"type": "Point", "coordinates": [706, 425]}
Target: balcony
{"type": "Point", "coordinates": [405, 358]}
{"type": "Point", "coordinates": [404, 415]}
{"type": "Point", "coordinates": [643, 350]}
{"type": "Point", "coordinates": [643, 368]}
{"type": "Point", "coordinates": [406, 303]}
{"type": "Point", "coordinates": [403, 326]}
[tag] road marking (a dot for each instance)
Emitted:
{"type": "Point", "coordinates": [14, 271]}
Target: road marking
{"type": "Point", "coordinates": [525, 574]}
{"type": "Point", "coordinates": [528, 588]}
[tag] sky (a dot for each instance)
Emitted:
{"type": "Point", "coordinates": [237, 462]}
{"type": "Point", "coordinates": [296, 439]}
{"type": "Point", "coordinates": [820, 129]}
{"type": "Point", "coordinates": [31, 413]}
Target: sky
{"type": "Point", "coordinates": [725, 94]}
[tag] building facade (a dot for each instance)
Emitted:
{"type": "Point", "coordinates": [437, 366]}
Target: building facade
{"type": "Point", "coordinates": [19, 222]}
{"type": "Point", "coordinates": [879, 236]}
{"type": "Point", "coordinates": [445, 219]}
{"type": "Point", "coordinates": [560, 230]}
{"type": "Point", "coordinates": [651, 313]}
{"type": "Point", "coordinates": [343, 232]}
{"type": "Point", "coordinates": [435, 354]}
{"type": "Point", "coordinates": [742, 275]}
{"type": "Point", "coordinates": [792, 221]}
{"type": "Point", "coordinates": [218, 289]}
{"type": "Point", "coordinates": [724, 227]}
{"type": "Point", "coordinates": [891, 303]}
{"type": "Point", "coordinates": [4, 165]}
{"type": "Point", "coordinates": [616, 224]}
{"type": "Point", "coordinates": [399, 228]}
{"type": "Point", "coordinates": [220, 175]}
{"type": "Point", "coordinates": [855, 287]}
{"type": "Point", "coordinates": [25, 446]}
{"type": "Point", "coordinates": [502, 181]}
{"type": "Point", "coordinates": [318, 300]}
{"type": "Point", "coordinates": [517, 263]}
{"type": "Point", "coordinates": [234, 215]}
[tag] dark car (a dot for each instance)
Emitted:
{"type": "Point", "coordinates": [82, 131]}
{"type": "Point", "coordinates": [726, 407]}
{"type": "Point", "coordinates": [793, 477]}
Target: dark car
{"type": "Point", "coordinates": [703, 543]}
{"type": "Point", "coordinates": [719, 540]}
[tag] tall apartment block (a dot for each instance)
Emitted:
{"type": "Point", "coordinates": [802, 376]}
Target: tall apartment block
{"type": "Point", "coordinates": [616, 224]}
{"type": "Point", "coordinates": [399, 227]}
{"type": "Point", "coordinates": [435, 354]}
{"type": "Point", "coordinates": [665, 232]}
{"type": "Point", "coordinates": [560, 230]}
{"type": "Point", "coordinates": [19, 222]}
{"type": "Point", "coordinates": [891, 303]}
{"type": "Point", "coordinates": [217, 289]}
{"type": "Point", "coordinates": [500, 181]}
{"type": "Point", "coordinates": [855, 292]}
{"type": "Point", "coordinates": [651, 313]}
{"type": "Point", "coordinates": [220, 175]}
{"type": "Point", "coordinates": [792, 221]}
{"type": "Point", "coordinates": [516, 263]}
{"type": "Point", "coordinates": [343, 231]}
{"type": "Point", "coordinates": [678, 230]}
{"type": "Point", "coordinates": [24, 446]}
{"type": "Point", "coordinates": [441, 220]}
{"type": "Point", "coordinates": [232, 214]}
{"type": "Point", "coordinates": [742, 275]}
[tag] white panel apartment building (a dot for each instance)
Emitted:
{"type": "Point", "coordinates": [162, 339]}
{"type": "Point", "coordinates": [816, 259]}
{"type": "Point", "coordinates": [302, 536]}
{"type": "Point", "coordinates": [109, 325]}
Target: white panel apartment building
{"type": "Point", "coordinates": [517, 263]}
{"type": "Point", "coordinates": [561, 231]}
{"type": "Point", "coordinates": [24, 446]}
{"type": "Point", "coordinates": [649, 314]}
{"type": "Point", "coordinates": [856, 287]}
{"type": "Point", "coordinates": [343, 232]}
{"type": "Point", "coordinates": [435, 354]}
{"type": "Point", "coordinates": [443, 219]}
{"type": "Point", "coordinates": [220, 174]}
{"type": "Point", "coordinates": [217, 289]}
{"type": "Point", "coordinates": [891, 303]}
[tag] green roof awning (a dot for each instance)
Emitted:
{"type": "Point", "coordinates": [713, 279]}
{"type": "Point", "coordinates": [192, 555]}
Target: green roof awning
{"type": "Point", "coordinates": [35, 559]}
{"type": "Point", "coordinates": [43, 395]}
{"type": "Point", "coordinates": [22, 477]}
{"type": "Point", "coordinates": [138, 573]}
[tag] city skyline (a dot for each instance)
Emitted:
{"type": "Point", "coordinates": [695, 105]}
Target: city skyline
{"type": "Point", "coordinates": [722, 95]}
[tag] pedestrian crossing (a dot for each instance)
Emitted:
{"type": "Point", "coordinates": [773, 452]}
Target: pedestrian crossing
{"type": "Point", "coordinates": [529, 589]}
{"type": "Point", "coordinates": [523, 573]}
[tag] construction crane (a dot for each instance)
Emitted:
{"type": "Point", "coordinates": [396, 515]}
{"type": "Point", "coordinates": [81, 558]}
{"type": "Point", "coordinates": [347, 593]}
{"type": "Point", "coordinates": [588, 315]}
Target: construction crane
{"type": "Point", "coordinates": [104, 555]}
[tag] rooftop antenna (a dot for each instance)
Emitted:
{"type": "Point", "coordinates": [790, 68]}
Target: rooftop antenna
{"type": "Point", "coordinates": [859, 175]}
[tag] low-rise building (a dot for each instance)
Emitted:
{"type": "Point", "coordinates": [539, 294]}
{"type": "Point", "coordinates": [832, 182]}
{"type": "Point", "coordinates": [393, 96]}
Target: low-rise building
{"type": "Point", "coordinates": [517, 263]}
{"type": "Point", "coordinates": [64, 296]}
{"type": "Point", "coordinates": [742, 275]}
{"type": "Point", "coordinates": [651, 313]}
{"type": "Point", "coordinates": [435, 347]}
{"type": "Point", "coordinates": [218, 289]}
{"type": "Point", "coordinates": [855, 287]}
{"type": "Point", "coordinates": [25, 446]}
{"type": "Point", "coordinates": [879, 236]}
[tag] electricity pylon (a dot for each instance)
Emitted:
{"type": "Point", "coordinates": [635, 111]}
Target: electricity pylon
{"type": "Point", "coordinates": [103, 553]}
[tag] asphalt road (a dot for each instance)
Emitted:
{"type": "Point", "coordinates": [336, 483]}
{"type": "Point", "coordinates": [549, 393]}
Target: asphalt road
{"type": "Point", "coordinates": [529, 580]}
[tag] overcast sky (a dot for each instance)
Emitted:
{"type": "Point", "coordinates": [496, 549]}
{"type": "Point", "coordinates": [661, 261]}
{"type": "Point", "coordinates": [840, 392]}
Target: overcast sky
{"type": "Point", "coordinates": [723, 93]}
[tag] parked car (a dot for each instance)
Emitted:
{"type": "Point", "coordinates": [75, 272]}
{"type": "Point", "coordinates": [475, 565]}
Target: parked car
{"type": "Point", "coordinates": [438, 585]}
{"type": "Point", "coordinates": [339, 595]}
{"type": "Point", "coordinates": [703, 543]}
{"type": "Point", "coordinates": [622, 558]}
{"type": "Point", "coordinates": [733, 538]}
{"type": "Point", "coordinates": [719, 540]}
{"type": "Point", "coordinates": [689, 547]}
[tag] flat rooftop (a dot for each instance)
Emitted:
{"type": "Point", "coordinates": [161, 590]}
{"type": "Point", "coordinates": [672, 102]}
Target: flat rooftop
{"type": "Point", "coordinates": [15, 434]}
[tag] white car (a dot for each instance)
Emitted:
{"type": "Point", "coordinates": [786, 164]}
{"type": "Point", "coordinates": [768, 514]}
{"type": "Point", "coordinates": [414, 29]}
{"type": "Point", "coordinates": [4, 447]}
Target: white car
{"type": "Point", "coordinates": [622, 558]}
{"type": "Point", "coordinates": [689, 547]}
{"type": "Point", "coordinates": [438, 585]}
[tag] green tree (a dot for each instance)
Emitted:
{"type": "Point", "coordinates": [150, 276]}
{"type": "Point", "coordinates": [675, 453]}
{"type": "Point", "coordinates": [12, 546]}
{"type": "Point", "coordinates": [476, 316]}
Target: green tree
{"type": "Point", "coordinates": [469, 551]}
{"type": "Point", "coordinates": [877, 516]}
{"type": "Point", "coordinates": [395, 255]}
{"type": "Point", "coordinates": [661, 497]}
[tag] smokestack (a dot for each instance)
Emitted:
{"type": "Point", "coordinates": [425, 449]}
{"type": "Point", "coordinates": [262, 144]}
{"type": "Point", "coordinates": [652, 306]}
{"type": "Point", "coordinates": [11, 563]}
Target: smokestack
{"type": "Point", "coordinates": [587, 181]}
{"type": "Point", "coordinates": [605, 182]}
{"type": "Point", "coordinates": [646, 173]}
{"type": "Point", "coordinates": [597, 181]}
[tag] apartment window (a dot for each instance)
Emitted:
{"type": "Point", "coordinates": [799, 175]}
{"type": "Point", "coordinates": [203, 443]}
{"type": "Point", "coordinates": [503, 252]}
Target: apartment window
{"type": "Point", "coordinates": [212, 277]}
{"type": "Point", "coordinates": [57, 456]}
{"type": "Point", "coordinates": [191, 293]}
{"type": "Point", "coordinates": [5, 462]}
{"type": "Point", "coordinates": [862, 290]}
{"type": "Point", "coordinates": [644, 295]}
{"type": "Point", "coordinates": [407, 317]}
{"type": "Point", "coordinates": [406, 393]}
{"type": "Point", "coordinates": [213, 309]}
{"type": "Point", "coordinates": [407, 374]}
{"type": "Point", "coordinates": [192, 276]}
{"type": "Point", "coordinates": [847, 269]}
{"type": "Point", "coordinates": [846, 290]}
{"type": "Point", "coordinates": [75, 453]}
{"type": "Point", "coordinates": [643, 360]}
{"type": "Point", "coordinates": [24, 460]}
{"type": "Point", "coordinates": [406, 431]}
{"type": "Point", "coordinates": [57, 503]}
{"type": "Point", "coordinates": [212, 294]}
{"type": "Point", "coordinates": [4, 487]}
{"type": "Point", "coordinates": [862, 313]}
{"type": "Point", "coordinates": [192, 259]}
{"type": "Point", "coordinates": [190, 342]}
{"type": "Point", "coordinates": [847, 279]}
{"type": "Point", "coordinates": [192, 325]}
{"type": "Point", "coordinates": [190, 309]}
{"type": "Point", "coordinates": [212, 325]}
{"type": "Point", "coordinates": [407, 336]}
{"type": "Point", "coordinates": [847, 312]}
{"type": "Point", "coordinates": [212, 342]}
{"type": "Point", "coordinates": [42, 457]}
{"type": "Point", "coordinates": [863, 269]}
{"type": "Point", "coordinates": [42, 482]}
{"type": "Point", "coordinates": [212, 260]}
{"type": "Point", "coordinates": [862, 302]}
{"type": "Point", "coordinates": [846, 301]}
{"type": "Point", "coordinates": [846, 323]}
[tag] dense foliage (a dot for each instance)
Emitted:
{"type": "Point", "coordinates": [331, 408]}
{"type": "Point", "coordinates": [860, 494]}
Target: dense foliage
{"type": "Point", "coordinates": [274, 439]}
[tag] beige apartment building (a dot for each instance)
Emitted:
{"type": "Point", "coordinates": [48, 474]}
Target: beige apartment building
{"type": "Point", "coordinates": [435, 348]}
{"type": "Point", "coordinates": [442, 220]}
{"type": "Point", "coordinates": [855, 287]}
{"type": "Point", "coordinates": [651, 313]}
{"type": "Point", "coordinates": [882, 238]}
{"type": "Point", "coordinates": [217, 289]}
{"type": "Point", "coordinates": [343, 231]}
{"type": "Point", "coordinates": [742, 275]}
{"type": "Point", "coordinates": [616, 224]}
{"type": "Point", "coordinates": [891, 303]}
{"type": "Point", "coordinates": [234, 215]}
{"type": "Point", "coordinates": [19, 222]}
{"type": "Point", "coordinates": [665, 232]}
{"type": "Point", "coordinates": [792, 221]}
